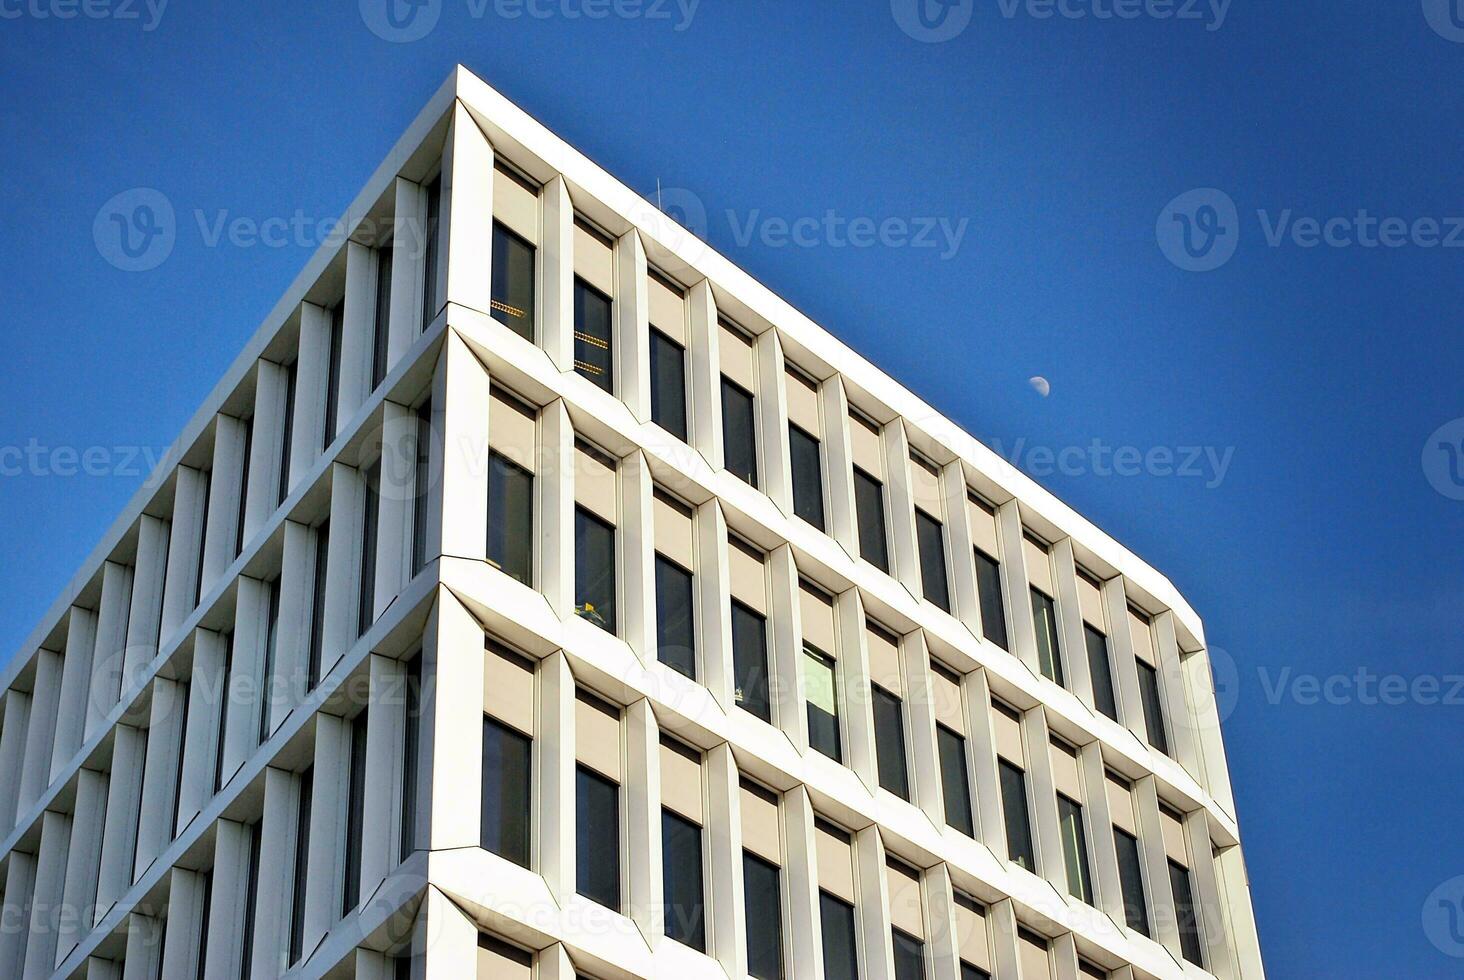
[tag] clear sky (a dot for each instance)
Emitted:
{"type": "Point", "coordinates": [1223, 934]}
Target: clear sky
{"type": "Point", "coordinates": [1311, 374]}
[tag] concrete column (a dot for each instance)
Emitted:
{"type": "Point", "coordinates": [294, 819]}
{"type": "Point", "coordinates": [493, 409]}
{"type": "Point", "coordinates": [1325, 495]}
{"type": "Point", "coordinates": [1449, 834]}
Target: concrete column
{"type": "Point", "coordinates": [385, 740]}
{"type": "Point", "coordinates": [785, 648]}
{"type": "Point", "coordinates": [920, 723]}
{"type": "Point", "coordinates": [990, 827]}
{"type": "Point", "coordinates": [446, 941]}
{"type": "Point", "coordinates": [458, 525]}
{"type": "Point", "coordinates": [1074, 647]}
{"type": "Point", "coordinates": [900, 502]}
{"type": "Point", "coordinates": [144, 618]}
{"type": "Point", "coordinates": [555, 964]}
{"type": "Point", "coordinates": [206, 693]}
{"type": "Point", "coordinates": [1042, 789]}
{"type": "Point", "coordinates": [397, 492]}
{"type": "Point", "coordinates": [965, 600]}
{"type": "Point", "coordinates": [1065, 957]}
{"type": "Point", "coordinates": [554, 758]}
{"type": "Point", "coordinates": [276, 874]}
{"type": "Point", "coordinates": [1210, 906]}
{"type": "Point", "coordinates": [143, 959]}
{"type": "Point", "coordinates": [343, 564]}
{"type": "Point", "coordinates": [727, 928]}
{"type": "Point", "coordinates": [46, 912]}
{"type": "Point", "coordinates": [251, 616]}
{"type": "Point", "coordinates": [833, 402]}
{"type": "Point", "coordinates": [554, 492]}
{"type": "Point", "coordinates": [800, 879]}
{"type": "Point", "coordinates": [1021, 633]}
{"type": "Point", "coordinates": [1001, 918]}
{"type": "Point", "coordinates": [226, 487]}
{"type": "Point", "coordinates": [83, 859]}
{"type": "Point", "coordinates": [705, 365]}
{"type": "Point", "coordinates": [106, 680]}
{"type": "Point", "coordinates": [227, 909]}
{"type": "Point", "coordinates": [638, 557]}
{"type": "Point", "coordinates": [877, 949]}
{"type": "Point", "coordinates": [312, 373]}
{"type": "Point", "coordinates": [160, 773]}
{"type": "Point", "coordinates": [1241, 923]}
{"type": "Point", "coordinates": [940, 921]}
{"type": "Point", "coordinates": [119, 836]}
{"type": "Point", "coordinates": [292, 643]}
{"type": "Point", "coordinates": [775, 474]}
{"type": "Point", "coordinates": [1201, 691]}
{"type": "Point", "coordinates": [102, 969]}
{"type": "Point", "coordinates": [330, 779]}
{"type": "Point", "coordinates": [1156, 866]}
{"type": "Point", "coordinates": [632, 330]}
{"type": "Point", "coordinates": [12, 754]}
{"type": "Point", "coordinates": [20, 883]}
{"type": "Point", "coordinates": [408, 252]}
{"type": "Point", "coordinates": [556, 276]}
{"type": "Point", "coordinates": [642, 789]}
{"type": "Point", "coordinates": [1125, 669]}
{"type": "Point", "coordinates": [266, 454]}
{"type": "Point", "coordinates": [183, 937]}
{"type": "Point", "coordinates": [40, 739]}
{"type": "Point", "coordinates": [184, 550]}
{"type": "Point", "coordinates": [855, 712]}
{"type": "Point", "coordinates": [1108, 891]}
{"type": "Point", "coordinates": [358, 322]}
{"type": "Point", "coordinates": [467, 213]}
{"type": "Point", "coordinates": [76, 675]}
{"type": "Point", "coordinates": [713, 585]}
{"type": "Point", "coordinates": [452, 724]}
{"type": "Point", "coordinates": [1183, 744]}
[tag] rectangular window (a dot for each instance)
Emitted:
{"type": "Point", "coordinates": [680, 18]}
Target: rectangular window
{"type": "Point", "coordinates": [1074, 849]}
{"type": "Point", "coordinates": [1153, 707]}
{"type": "Point", "coordinates": [806, 455]}
{"type": "Point", "coordinates": [1184, 913]}
{"type": "Point", "coordinates": [1044, 621]}
{"type": "Point", "coordinates": [889, 742]}
{"type": "Point", "coordinates": [931, 536]}
{"type": "Point", "coordinates": [750, 660]}
{"type": "Point", "coordinates": [512, 292]}
{"type": "Point", "coordinates": [333, 374]}
{"type": "Point", "coordinates": [251, 900]}
{"type": "Point", "coordinates": [411, 747]}
{"type": "Point", "coordinates": [202, 537]}
{"type": "Point", "coordinates": [821, 691]}
{"type": "Point", "coordinates": [955, 780]}
{"type": "Point", "coordinates": [421, 486]}
{"type": "Point", "coordinates": [301, 870]}
{"type": "Point", "coordinates": [271, 645]}
{"type": "Point", "coordinates": [317, 602]}
{"type": "Point", "coordinates": [1088, 969]}
{"type": "Point", "coordinates": [429, 251]}
{"type": "Point", "coordinates": [505, 823]}
{"type": "Point", "coordinates": [355, 814]}
{"type": "Point", "coordinates": [287, 433]}
{"type": "Point", "coordinates": [226, 697]}
{"type": "Point", "coordinates": [1131, 881]}
{"type": "Point", "coordinates": [594, 569]}
{"type": "Point", "coordinates": [593, 358]}
{"type": "Point", "coordinates": [993, 608]}
{"type": "Point", "coordinates": [1018, 816]}
{"type": "Point", "coordinates": [739, 432]}
{"type": "Point", "coordinates": [204, 914]}
{"type": "Point", "coordinates": [763, 909]}
{"type": "Point", "coordinates": [597, 838]}
{"type": "Point", "coordinates": [681, 876]}
{"type": "Point", "coordinates": [675, 622]}
{"type": "Point", "coordinates": [243, 503]}
{"type": "Point", "coordinates": [511, 518]}
{"type": "Point", "coordinates": [668, 384]}
{"type": "Point", "coordinates": [381, 322]}
{"type": "Point", "coordinates": [969, 972]}
{"type": "Point", "coordinates": [909, 956]}
{"type": "Point", "coordinates": [1100, 667]}
{"type": "Point", "coordinates": [870, 511]}
{"type": "Point", "coordinates": [370, 526]}
{"type": "Point", "coordinates": [840, 942]}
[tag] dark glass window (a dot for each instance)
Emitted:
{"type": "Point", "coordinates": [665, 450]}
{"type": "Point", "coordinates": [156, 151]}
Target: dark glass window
{"type": "Point", "coordinates": [597, 838]}
{"type": "Point", "coordinates": [820, 689]}
{"type": "Point", "coordinates": [301, 870]}
{"type": "Point", "coordinates": [1091, 970]}
{"type": "Point", "coordinates": [243, 502]}
{"type": "Point", "coordinates": [840, 949]}
{"type": "Point", "coordinates": [1044, 621]}
{"type": "Point", "coordinates": [750, 661]}
{"type": "Point", "coordinates": [1017, 815]}
{"type": "Point", "coordinates": [806, 455]}
{"type": "Point", "coordinates": [594, 569]}
{"type": "Point", "coordinates": [1100, 667]}
{"type": "Point", "coordinates": [512, 291]}
{"type": "Point", "coordinates": [333, 374]}
{"type": "Point", "coordinates": [889, 742]}
{"type": "Point", "coordinates": [504, 828]}
{"type": "Point", "coordinates": [251, 901]}
{"type": "Point", "coordinates": [381, 322]}
{"type": "Point", "coordinates": [763, 908]}
{"type": "Point", "coordinates": [421, 488]}
{"type": "Point", "coordinates": [931, 536]}
{"type": "Point", "coordinates": [969, 972]}
{"type": "Point", "coordinates": [955, 780]}
{"type": "Point", "coordinates": [511, 518]}
{"type": "Point", "coordinates": [429, 251]}
{"type": "Point", "coordinates": [1184, 913]}
{"type": "Point", "coordinates": [870, 510]}
{"type": "Point", "coordinates": [287, 433]}
{"type": "Point", "coordinates": [1131, 881]}
{"type": "Point", "coordinates": [271, 645]}
{"type": "Point", "coordinates": [226, 698]}
{"type": "Point", "coordinates": [317, 602]}
{"type": "Point", "coordinates": [355, 815]}
{"type": "Point", "coordinates": [203, 916]}
{"type": "Point", "coordinates": [1074, 848]}
{"type": "Point", "coordinates": [681, 879]}
{"type": "Point", "coordinates": [411, 746]}
{"type": "Point", "coordinates": [668, 384]}
{"type": "Point", "coordinates": [909, 956]}
{"type": "Point", "coordinates": [202, 537]}
{"type": "Point", "coordinates": [370, 527]}
{"type": "Point", "coordinates": [739, 432]}
{"type": "Point", "coordinates": [675, 622]}
{"type": "Point", "coordinates": [1153, 707]}
{"type": "Point", "coordinates": [592, 354]}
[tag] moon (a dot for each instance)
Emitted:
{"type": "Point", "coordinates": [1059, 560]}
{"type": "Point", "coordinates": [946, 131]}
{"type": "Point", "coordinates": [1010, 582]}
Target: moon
{"type": "Point", "coordinates": [1040, 385]}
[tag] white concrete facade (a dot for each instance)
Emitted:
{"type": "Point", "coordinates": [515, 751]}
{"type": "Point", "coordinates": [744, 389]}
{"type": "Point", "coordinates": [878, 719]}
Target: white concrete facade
{"type": "Point", "coordinates": [200, 715]}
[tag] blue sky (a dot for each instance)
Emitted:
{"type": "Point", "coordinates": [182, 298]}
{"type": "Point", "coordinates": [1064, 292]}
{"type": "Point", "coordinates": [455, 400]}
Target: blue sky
{"type": "Point", "coordinates": [1319, 539]}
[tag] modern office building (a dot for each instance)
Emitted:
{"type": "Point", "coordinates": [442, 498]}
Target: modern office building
{"type": "Point", "coordinates": [538, 595]}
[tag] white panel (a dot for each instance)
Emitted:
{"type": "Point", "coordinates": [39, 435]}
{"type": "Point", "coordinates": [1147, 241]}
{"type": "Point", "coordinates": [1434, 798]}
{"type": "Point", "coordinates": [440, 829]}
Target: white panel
{"type": "Point", "coordinates": [1039, 566]}
{"type": "Point", "coordinates": [835, 865]}
{"type": "Point", "coordinates": [594, 260]}
{"type": "Point", "coordinates": [1006, 730]}
{"type": "Point", "coordinates": [493, 965]}
{"type": "Point", "coordinates": [673, 529]}
{"type": "Point", "coordinates": [508, 689]}
{"type": "Point", "coordinates": [668, 310]}
{"type": "Point", "coordinates": [972, 940]}
{"type": "Point", "coordinates": [516, 206]}
{"type": "Point", "coordinates": [1090, 600]}
{"type": "Point", "coordinates": [594, 483]}
{"type": "Point", "coordinates": [1174, 847]}
{"type": "Point", "coordinates": [906, 913]}
{"type": "Point", "coordinates": [512, 428]}
{"type": "Point", "coordinates": [949, 705]}
{"type": "Point", "coordinates": [817, 611]}
{"type": "Point", "coordinates": [884, 660]}
{"type": "Point", "coordinates": [760, 825]}
{"type": "Point", "coordinates": [925, 488]}
{"type": "Point", "coordinates": [864, 444]}
{"type": "Point", "coordinates": [983, 526]}
{"type": "Point", "coordinates": [1142, 630]}
{"type": "Point", "coordinates": [748, 576]}
{"type": "Point", "coordinates": [803, 404]}
{"type": "Point", "coordinates": [1035, 960]}
{"type": "Point", "coordinates": [597, 737]}
{"type": "Point", "coordinates": [681, 783]}
{"type": "Point", "coordinates": [1065, 772]}
{"type": "Point", "coordinates": [1121, 806]}
{"type": "Point", "coordinates": [736, 353]}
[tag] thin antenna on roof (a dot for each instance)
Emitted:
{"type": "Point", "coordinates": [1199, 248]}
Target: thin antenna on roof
{"type": "Point", "coordinates": [658, 195]}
